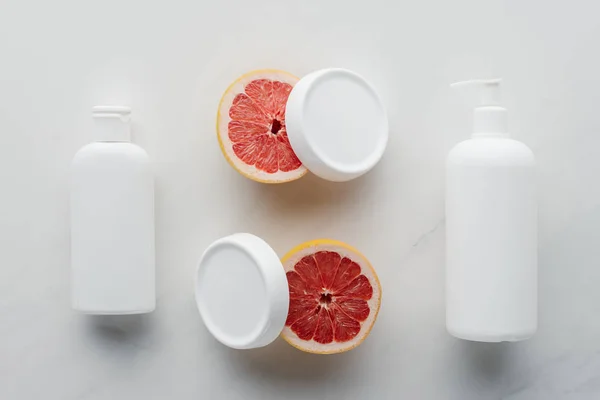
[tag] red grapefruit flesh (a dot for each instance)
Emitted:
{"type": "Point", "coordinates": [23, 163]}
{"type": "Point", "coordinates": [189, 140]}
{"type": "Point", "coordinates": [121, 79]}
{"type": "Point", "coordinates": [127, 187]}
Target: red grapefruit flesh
{"type": "Point", "coordinates": [251, 127]}
{"type": "Point", "coordinates": [334, 297]}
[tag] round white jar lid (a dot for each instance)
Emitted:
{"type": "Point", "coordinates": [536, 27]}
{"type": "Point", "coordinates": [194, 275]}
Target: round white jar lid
{"type": "Point", "coordinates": [336, 123]}
{"type": "Point", "coordinates": [242, 291]}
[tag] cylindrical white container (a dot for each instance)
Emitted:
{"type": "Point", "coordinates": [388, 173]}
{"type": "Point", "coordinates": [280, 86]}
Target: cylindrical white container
{"type": "Point", "coordinates": [491, 229]}
{"type": "Point", "coordinates": [112, 221]}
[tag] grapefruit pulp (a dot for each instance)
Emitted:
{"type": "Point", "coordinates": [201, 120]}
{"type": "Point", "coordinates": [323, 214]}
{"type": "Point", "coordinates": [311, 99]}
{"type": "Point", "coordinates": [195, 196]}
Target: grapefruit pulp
{"type": "Point", "coordinates": [334, 297]}
{"type": "Point", "coordinates": [251, 127]}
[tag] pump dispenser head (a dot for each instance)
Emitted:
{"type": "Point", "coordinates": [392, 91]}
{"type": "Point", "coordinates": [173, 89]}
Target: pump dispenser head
{"type": "Point", "coordinates": [111, 123]}
{"type": "Point", "coordinates": [489, 118]}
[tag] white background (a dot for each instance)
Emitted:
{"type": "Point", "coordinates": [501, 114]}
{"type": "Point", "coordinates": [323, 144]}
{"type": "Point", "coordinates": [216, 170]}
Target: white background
{"type": "Point", "coordinates": [171, 61]}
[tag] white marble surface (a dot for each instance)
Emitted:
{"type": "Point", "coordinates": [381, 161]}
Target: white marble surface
{"type": "Point", "coordinates": [171, 61]}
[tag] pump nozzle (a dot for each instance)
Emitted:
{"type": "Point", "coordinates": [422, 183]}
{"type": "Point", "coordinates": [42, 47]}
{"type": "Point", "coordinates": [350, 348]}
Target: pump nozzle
{"type": "Point", "coordinates": [489, 90]}
{"type": "Point", "coordinates": [489, 118]}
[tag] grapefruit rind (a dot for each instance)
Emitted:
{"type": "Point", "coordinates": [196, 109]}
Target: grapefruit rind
{"type": "Point", "coordinates": [289, 261]}
{"type": "Point", "coordinates": [250, 171]}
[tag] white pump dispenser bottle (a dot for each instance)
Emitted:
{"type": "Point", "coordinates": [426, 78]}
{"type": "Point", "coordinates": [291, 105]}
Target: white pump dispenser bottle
{"type": "Point", "coordinates": [491, 229]}
{"type": "Point", "coordinates": [112, 221]}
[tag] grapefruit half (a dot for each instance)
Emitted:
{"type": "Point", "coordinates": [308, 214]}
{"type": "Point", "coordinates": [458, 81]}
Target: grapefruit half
{"type": "Point", "coordinates": [334, 297]}
{"type": "Point", "coordinates": [251, 127]}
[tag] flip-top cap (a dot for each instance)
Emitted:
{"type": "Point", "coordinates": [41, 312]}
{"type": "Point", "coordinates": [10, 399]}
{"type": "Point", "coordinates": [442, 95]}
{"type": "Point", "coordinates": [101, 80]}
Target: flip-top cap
{"type": "Point", "coordinates": [336, 123]}
{"type": "Point", "coordinates": [242, 291]}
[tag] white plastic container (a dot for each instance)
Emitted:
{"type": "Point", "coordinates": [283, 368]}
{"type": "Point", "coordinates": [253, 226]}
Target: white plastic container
{"type": "Point", "coordinates": [242, 292]}
{"type": "Point", "coordinates": [112, 221]}
{"type": "Point", "coordinates": [491, 229]}
{"type": "Point", "coordinates": [337, 124]}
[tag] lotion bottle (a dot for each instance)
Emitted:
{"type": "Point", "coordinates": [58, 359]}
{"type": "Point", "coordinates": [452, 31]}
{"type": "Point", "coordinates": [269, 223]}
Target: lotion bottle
{"type": "Point", "coordinates": [112, 221]}
{"type": "Point", "coordinates": [491, 229]}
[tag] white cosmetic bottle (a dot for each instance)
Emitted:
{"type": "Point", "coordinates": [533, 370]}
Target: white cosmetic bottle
{"type": "Point", "coordinates": [112, 221]}
{"type": "Point", "coordinates": [491, 229]}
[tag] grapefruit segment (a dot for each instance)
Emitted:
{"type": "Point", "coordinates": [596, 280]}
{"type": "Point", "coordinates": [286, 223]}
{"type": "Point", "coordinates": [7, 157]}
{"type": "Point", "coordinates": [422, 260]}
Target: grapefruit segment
{"type": "Point", "coordinates": [261, 92]}
{"type": "Point", "coordinates": [248, 150]}
{"type": "Point", "coordinates": [244, 109]}
{"type": "Point", "coordinates": [267, 159]}
{"type": "Point", "coordinates": [359, 288]}
{"type": "Point", "coordinates": [287, 158]}
{"type": "Point", "coordinates": [281, 92]}
{"type": "Point", "coordinates": [354, 308]}
{"type": "Point", "coordinates": [298, 287]}
{"type": "Point", "coordinates": [334, 297]}
{"type": "Point", "coordinates": [305, 326]}
{"type": "Point", "coordinates": [251, 127]}
{"type": "Point", "coordinates": [328, 262]}
{"type": "Point", "coordinates": [346, 328]}
{"type": "Point", "coordinates": [308, 271]}
{"type": "Point", "coordinates": [300, 307]}
{"type": "Point", "coordinates": [346, 272]}
{"type": "Point", "coordinates": [324, 330]}
{"type": "Point", "coordinates": [243, 131]}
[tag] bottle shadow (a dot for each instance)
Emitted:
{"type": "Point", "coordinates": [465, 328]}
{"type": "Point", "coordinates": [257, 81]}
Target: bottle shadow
{"type": "Point", "coordinates": [119, 336]}
{"type": "Point", "coordinates": [486, 359]}
{"type": "Point", "coordinates": [488, 365]}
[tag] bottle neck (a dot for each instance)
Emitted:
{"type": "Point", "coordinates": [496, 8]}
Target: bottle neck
{"type": "Point", "coordinates": [112, 128]}
{"type": "Point", "coordinates": [490, 121]}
